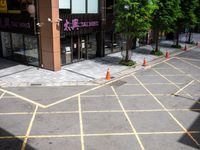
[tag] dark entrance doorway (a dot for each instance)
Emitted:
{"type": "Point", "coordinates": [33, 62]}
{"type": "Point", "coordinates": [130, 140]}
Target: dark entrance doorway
{"type": "Point", "coordinates": [79, 48]}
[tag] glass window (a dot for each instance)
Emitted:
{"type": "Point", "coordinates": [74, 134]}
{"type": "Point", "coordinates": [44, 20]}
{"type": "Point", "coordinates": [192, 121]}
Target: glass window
{"type": "Point", "coordinates": [64, 4]}
{"type": "Point", "coordinates": [31, 50]}
{"type": "Point", "coordinates": [92, 6]}
{"type": "Point", "coordinates": [78, 6]}
{"type": "Point", "coordinates": [6, 44]}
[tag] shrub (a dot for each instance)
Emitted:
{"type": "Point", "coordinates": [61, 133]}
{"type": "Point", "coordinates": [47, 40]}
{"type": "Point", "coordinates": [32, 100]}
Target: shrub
{"type": "Point", "coordinates": [176, 46]}
{"type": "Point", "coordinates": [157, 53]}
{"type": "Point", "coordinates": [127, 63]}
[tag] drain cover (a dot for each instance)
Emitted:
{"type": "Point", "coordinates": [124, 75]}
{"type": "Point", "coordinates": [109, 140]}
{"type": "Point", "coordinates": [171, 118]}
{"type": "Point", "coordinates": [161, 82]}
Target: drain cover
{"type": "Point", "coordinates": [118, 83]}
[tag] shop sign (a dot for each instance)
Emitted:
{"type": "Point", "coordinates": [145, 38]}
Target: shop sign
{"type": "Point", "coordinates": [17, 24]}
{"type": "Point", "coordinates": [75, 25]}
{"type": "Point", "coordinates": [3, 6]}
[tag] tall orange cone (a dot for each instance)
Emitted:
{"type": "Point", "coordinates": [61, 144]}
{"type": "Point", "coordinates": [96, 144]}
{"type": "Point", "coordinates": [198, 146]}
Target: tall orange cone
{"type": "Point", "coordinates": [145, 62]}
{"type": "Point", "coordinates": [108, 75]}
{"type": "Point", "coordinates": [167, 55]}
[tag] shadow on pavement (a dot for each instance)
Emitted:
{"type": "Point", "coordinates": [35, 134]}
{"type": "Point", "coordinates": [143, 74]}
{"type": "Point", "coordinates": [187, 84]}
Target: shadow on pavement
{"type": "Point", "coordinates": [194, 127]}
{"type": "Point", "coordinates": [12, 143]}
{"type": "Point", "coordinates": [7, 63]}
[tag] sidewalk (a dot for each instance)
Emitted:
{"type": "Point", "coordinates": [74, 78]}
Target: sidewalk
{"type": "Point", "coordinates": [88, 72]}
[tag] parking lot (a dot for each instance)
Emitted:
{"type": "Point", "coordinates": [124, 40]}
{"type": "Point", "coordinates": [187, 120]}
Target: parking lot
{"type": "Point", "coordinates": [154, 108]}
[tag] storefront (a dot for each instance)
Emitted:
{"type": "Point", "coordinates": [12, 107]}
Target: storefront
{"type": "Point", "coordinates": [52, 33]}
{"type": "Point", "coordinates": [79, 37]}
{"type": "Point", "coordinates": [18, 38]}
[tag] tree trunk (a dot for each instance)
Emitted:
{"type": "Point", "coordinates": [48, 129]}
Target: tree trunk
{"type": "Point", "coordinates": [129, 44]}
{"type": "Point", "coordinates": [190, 35]}
{"type": "Point", "coordinates": [177, 36]}
{"type": "Point", "coordinates": [157, 40]}
{"type": "Point", "coordinates": [134, 43]}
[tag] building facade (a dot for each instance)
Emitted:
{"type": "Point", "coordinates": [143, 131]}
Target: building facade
{"type": "Point", "coordinates": [52, 33]}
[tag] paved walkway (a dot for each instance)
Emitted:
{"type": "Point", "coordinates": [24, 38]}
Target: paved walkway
{"type": "Point", "coordinates": [89, 72]}
{"type": "Point", "coordinates": [156, 108]}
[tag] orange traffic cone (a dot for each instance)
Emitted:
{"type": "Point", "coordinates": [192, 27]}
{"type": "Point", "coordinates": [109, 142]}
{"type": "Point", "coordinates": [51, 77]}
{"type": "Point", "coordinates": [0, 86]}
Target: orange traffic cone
{"type": "Point", "coordinates": [145, 62]}
{"type": "Point", "coordinates": [167, 56]}
{"type": "Point", "coordinates": [185, 48]}
{"type": "Point", "coordinates": [108, 75]}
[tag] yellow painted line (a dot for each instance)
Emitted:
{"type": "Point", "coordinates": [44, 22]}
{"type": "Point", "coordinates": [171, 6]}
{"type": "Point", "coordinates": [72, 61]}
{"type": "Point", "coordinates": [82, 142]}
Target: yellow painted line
{"type": "Point", "coordinates": [97, 135]}
{"type": "Point", "coordinates": [153, 84]}
{"type": "Point", "coordinates": [57, 112]}
{"type": "Point", "coordinates": [168, 111]}
{"type": "Point", "coordinates": [81, 123]}
{"type": "Point", "coordinates": [128, 119]}
{"type": "Point", "coordinates": [23, 98]}
{"type": "Point", "coordinates": [15, 113]}
{"type": "Point", "coordinates": [184, 87]}
{"type": "Point", "coordinates": [188, 59]}
{"type": "Point", "coordinates": [95, 111]}
{"type": "Point", "coordinates": [95, 88]}
{"type": "Point", "coordinates": [188, 62]}
{"type": "Point", "coordinates": [84, 92]}
{"type": "Point", "coordinates": [164, 133]}
{"type": "Point", "coordinates": [97, 96]}
{"type": "Point", "coordinates": [29, 129]}
{"type": "Point", "coordinates": [188, 75]}
{"type": "Point", "coordinates": [1, 96]}
{"type": "Point", "coordinates": [171, 82]}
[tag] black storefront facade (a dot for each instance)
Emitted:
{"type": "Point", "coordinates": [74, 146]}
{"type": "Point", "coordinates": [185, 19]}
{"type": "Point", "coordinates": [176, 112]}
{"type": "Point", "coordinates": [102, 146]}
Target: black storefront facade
{"type": "Point", "coordinates": [18, 34]}
{"type": "Point", "coordinates": [52, 33]}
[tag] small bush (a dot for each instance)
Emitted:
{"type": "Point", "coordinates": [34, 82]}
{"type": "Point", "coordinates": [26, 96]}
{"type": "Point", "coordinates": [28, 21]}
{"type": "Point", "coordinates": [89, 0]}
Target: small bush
{"type": "Point", "coordinates": [176, 46]}
{"type": "Point", "coordinates": [157, 53]}
{"type": "Point", "coordinates": [127, 63]}
{"type": "Point", "coordinates": [192, 42]}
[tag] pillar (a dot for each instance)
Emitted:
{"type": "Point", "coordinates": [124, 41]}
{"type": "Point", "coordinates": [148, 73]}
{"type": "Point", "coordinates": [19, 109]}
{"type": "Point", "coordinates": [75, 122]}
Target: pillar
{"type": "Point", "coordinates": [49, 34]}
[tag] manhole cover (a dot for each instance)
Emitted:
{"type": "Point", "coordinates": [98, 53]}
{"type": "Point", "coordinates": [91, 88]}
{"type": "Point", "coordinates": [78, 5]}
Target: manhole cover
{"type": "Point", "coordinates": [118, 83]}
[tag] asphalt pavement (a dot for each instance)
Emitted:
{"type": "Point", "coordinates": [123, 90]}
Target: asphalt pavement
{"type": "Point", "coordinates": [154, 108]}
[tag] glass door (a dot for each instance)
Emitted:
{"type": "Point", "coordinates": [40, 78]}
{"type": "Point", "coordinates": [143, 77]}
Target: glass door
{"type": "Point", "coordinates": [83, 48]}
{"type": "Point", "coordinates": [76, 49]}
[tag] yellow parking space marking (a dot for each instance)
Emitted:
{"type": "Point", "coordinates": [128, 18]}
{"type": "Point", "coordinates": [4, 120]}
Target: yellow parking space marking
{"type": "Point", "coordinates": [183, 87]}
{"type": "Point", "coordinates": [96, 111]}
{"type": "Point", "coordinates": [128, 119]}
{"type": "Point", "coordinates": [1, 96]}
{"type": "Point", "coordinates": [172, 116]}
{"type": "Point", "coordinates": [81, 123]}
{"type": "Point", "coordinates": [97, 135]}
{"type": "Point", "coordinates": [188, 62]}
{"type": "Point", "coordinates": [171, 83]}
{"type": "Point", "coordinates": [16, 113]}
{"type": "Point", "coordinates": [23, 98]}
{"type": "Point", "coordinates": [178, 69]}
{"type": "Point", "coordinates": [29, 129]}
{"type": "Point", "coordinates": [10, 97]}
{"type": "Point", "coordinates": [188, 59]}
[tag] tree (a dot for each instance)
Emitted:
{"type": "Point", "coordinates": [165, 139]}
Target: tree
{"type": "Point", "coordinates": [132, 19]}
{"type": "Point", "coordinates": [164, 17]}
{"type": "Point", "coordinates": [187, 19]}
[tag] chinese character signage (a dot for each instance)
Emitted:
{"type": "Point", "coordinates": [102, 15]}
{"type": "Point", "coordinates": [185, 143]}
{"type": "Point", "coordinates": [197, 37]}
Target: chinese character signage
{"type": "Point", "coordinates": [17, 24]}
{"type": "Point", "coordinates": [76, 25]}
{"type": "Point", "coordinates": [80, 23]}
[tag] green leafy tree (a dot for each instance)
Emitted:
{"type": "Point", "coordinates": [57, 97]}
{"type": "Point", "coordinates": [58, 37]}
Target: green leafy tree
{"type": "Point", "coordinates": [164, 17]}
{"type": "Point", "coordinates": [132, 19]}
{"type": "Point", "coordinates": [187, 19]}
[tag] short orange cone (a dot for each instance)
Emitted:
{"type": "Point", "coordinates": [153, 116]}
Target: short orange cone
{"type": "Point", "coordinates": [108, 75]}
{"type": "Point", "coordinates": [145, 62]}
{"type": "Point", "coordinates": [167, 55]}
